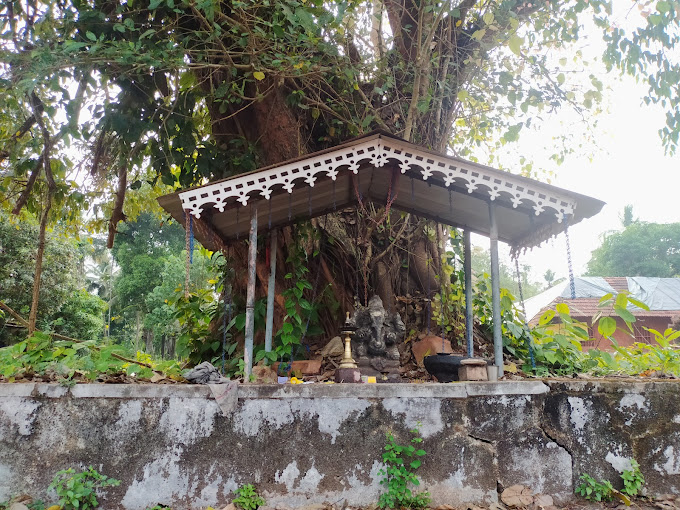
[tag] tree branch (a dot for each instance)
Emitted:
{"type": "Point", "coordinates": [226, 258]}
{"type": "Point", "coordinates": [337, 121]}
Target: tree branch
{"type": "Point", "coordinates": [117, 214]}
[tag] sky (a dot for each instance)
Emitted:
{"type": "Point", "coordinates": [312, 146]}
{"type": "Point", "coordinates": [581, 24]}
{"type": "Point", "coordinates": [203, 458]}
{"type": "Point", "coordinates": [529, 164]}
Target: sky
{"type": "Point", "coordinates": [628, 167]}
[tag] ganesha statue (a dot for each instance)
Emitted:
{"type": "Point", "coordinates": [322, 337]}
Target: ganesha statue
{"type": "Point", "coordinates": [377, 338]}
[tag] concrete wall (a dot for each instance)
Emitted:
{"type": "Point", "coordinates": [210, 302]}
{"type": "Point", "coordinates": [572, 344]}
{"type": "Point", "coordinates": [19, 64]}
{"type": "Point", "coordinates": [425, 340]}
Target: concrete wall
{"type": "Point", "coordinates": [313, 443]}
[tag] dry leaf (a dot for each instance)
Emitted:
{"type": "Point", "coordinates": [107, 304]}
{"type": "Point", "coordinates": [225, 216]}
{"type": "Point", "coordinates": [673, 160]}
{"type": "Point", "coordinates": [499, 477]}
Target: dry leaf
{"type": "Point", "coordinates": [543, 500]}
{"type": "Point", "coordinates": [517, 495]}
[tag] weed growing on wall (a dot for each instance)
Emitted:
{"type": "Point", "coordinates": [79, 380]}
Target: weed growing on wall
{"type": "Point", "coordinates": [633, 481]}
{"type": "Point", "coordinates": [592, 490]}
{"type": "Point", "coordinates": [248, 498]}
{"type": "Point", "coordinates": [78, 491]}
{"type": "Point", "coordinates": [401, 462]}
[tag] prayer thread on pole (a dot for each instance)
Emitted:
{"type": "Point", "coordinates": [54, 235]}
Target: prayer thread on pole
{"type": "Point", "coordinates": [187, 246]}
{"type": "Point", "coordinates": [309, 200]}
{"type": "Point", "coordinates": [334, 198]}
{"type": "Point", "coordinates": [572, 282]}
{"type": "Point", "coordinates": [429, 301]}
{"type": "Point", "coordinates": [227, 316]}
{"type": "Point", "coordinates": [270, 214]}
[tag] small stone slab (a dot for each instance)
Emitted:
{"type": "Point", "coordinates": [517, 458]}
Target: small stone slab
{"type": "Point", "coordinates": [469, 372]}
{"type": "Point", "coordinates": [474, 362]}
{"type": "Point", "coordinates": [304, 367]}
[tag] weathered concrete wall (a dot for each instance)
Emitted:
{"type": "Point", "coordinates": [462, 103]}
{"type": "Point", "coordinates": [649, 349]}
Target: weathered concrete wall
{"type": "Point", "coordinates": [313, 443]}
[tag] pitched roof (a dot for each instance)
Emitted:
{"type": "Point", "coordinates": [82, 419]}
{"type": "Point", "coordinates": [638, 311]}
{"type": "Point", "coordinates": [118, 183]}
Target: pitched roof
{"type": "Point", "coordinates": [384, 169]}
{"type": "Point", "coordinates": [662, 295]}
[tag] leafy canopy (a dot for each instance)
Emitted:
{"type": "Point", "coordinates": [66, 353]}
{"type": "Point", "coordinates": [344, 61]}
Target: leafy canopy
{"type": "Point", "coordinates": [640, 249]}
{"type": "Point", "coordinates": [178, 91]}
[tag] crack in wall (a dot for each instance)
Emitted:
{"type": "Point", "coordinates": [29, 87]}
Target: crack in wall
{"type": "Point", "coordinates": [553, 437]}
{"type": "Point", "coordinates": [492, 448]}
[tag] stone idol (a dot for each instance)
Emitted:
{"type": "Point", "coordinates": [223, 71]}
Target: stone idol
{"type": "Point", "coordinates": [378, 334]}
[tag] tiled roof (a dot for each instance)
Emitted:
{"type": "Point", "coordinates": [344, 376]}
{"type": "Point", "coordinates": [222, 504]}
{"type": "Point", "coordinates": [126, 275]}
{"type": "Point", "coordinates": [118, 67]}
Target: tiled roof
{"type": "Point", "coordinates": [585, 308]}
{"type": "Point", "coordinates": [618, 283]}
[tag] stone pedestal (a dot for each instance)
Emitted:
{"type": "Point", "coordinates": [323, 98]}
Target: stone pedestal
{"type": "Point", "coordinates": [347, 375]}
{"type": "Point", "coordinates": [472, 369]}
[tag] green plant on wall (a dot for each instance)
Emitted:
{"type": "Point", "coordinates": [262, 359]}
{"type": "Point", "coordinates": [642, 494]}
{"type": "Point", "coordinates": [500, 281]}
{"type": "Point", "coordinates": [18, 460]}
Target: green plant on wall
{"type": "Point", "coordinates": [603, 490]}
{"type": "Point", "coordinates": [633, 481]}
{"type": "Point", "coordinates": [592, 490]}
{"type": "Point", "coordinates": [79, 490]}
{"type": "Point", "coordinates": [398, 475]}
{"type": "Point", "coordinates": [248, 498]}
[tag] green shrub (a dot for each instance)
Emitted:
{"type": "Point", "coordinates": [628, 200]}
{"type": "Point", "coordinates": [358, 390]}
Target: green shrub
{"type": "Point", "coordinates": [632, 479]}
{"type": "Point", "coordinates": [79, 490]}
{"type": "Point", "coordinates": [248, 498]}
{"type": "Point", "coordinates": [593, 490]}
{"type": "Point", "coordinates": [399, 476]}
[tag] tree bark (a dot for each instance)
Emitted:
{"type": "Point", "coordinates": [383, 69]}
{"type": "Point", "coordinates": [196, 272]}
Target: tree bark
{"type": "Point", "coordinates": [33, 316]}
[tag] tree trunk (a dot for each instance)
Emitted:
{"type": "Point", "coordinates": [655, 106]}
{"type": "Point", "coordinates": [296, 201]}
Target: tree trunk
{"type": "Point", "coordinates": [33, 315]}
{"type": "Point", "coordinates": [148, 344]}
{"type": "Point", "coordinates": [137, 331]}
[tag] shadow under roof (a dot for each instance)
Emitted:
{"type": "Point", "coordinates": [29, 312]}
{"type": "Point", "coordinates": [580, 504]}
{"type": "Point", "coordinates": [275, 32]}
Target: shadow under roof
{"type": "Point", "coordinates": [381, 168]}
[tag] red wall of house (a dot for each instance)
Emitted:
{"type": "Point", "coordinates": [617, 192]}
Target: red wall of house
{"type": "Point", "coordinates": [623, 335]}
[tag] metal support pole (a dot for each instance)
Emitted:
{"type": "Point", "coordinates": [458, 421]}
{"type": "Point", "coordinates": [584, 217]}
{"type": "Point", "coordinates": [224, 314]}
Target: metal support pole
{"type": "Point", "coordinates": [270, 292]}
{"type": "Point", "coordinates": [250, 298]}
{"type": "Point", "coordinates": [467, 269]}
{"type": "Point", "coordinates": [495, 291]}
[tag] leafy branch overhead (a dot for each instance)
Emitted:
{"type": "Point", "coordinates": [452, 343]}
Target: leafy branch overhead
{"type": "Point", "coordinates": [180, 91]}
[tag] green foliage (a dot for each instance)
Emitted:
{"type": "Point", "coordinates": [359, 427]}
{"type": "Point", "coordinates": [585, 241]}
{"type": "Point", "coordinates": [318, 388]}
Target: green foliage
{"type": "Point", "coordinates": [557, 342]}
{"type": "Point", "coordinates": [302, 308]}
{"type": "Point", "coordinates": [398, 475]}
{"type": "Point", "coordinates": [481, 265]}
{"type": "Point", "coordinates": [81, 317]}
{"type": "Point", "coordinates": [248, 498]}
{"type": "Point", "coordinates": [79, 490]}
{"type": "Point", "coordinates": [633, 480]}
{"type": "Point", "coordinates": [18, 245]}
{"type": "Point", "coordinates": [65, 361]}
{"type": "Point", "coordinates": [592, 490]}
{"type": "Point", "coordinates": [640, 249]}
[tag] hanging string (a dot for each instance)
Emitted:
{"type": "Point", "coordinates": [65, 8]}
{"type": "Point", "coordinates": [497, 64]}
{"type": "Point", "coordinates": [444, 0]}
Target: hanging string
{"type": "Point", "coordinates": [309, 200]}
{"type": "Point", "coordinates": [290, 206]}
{"type": "Point", "coordinates": [356, 248]}
{"type": "Point", "coordinates": [238, 209]}
{"type": "Point", "coordinates": [227, 316]}
{"type": "Point", "coordinates": [408, 267]}
{"type": "Point", "coordinates": [572, 283]}
{"type": "Point", "coordinates": [361, 197]}
{"type": "Point", "coordinates": [191, 239]}
{"type": "Point", "coordinates": [524, 312]}
{"type": "Point", "coordinates": [450, 201]}
{"type": "Point", "coordinates": [334, 201]}
{"type": "Point", "coordinates": [429, 301]}
{"type": "Point", "coordinates": [270, 214]}
{"type": "Point", "coordinates": [187, 246]}
{"type": "Point", "coordinates": [441, 314]}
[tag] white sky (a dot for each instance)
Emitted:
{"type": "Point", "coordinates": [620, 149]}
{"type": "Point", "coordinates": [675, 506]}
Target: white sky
{"type": "Point", "coordinates": [629, 168]}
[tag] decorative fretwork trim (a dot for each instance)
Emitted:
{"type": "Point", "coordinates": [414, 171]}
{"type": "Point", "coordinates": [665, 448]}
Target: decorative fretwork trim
{"type": "Point", "coordinates": [378, 152]}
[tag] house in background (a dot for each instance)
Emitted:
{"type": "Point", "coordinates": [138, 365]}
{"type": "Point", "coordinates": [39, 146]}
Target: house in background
{"type": "Point", "coordinates": [661, 295]}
